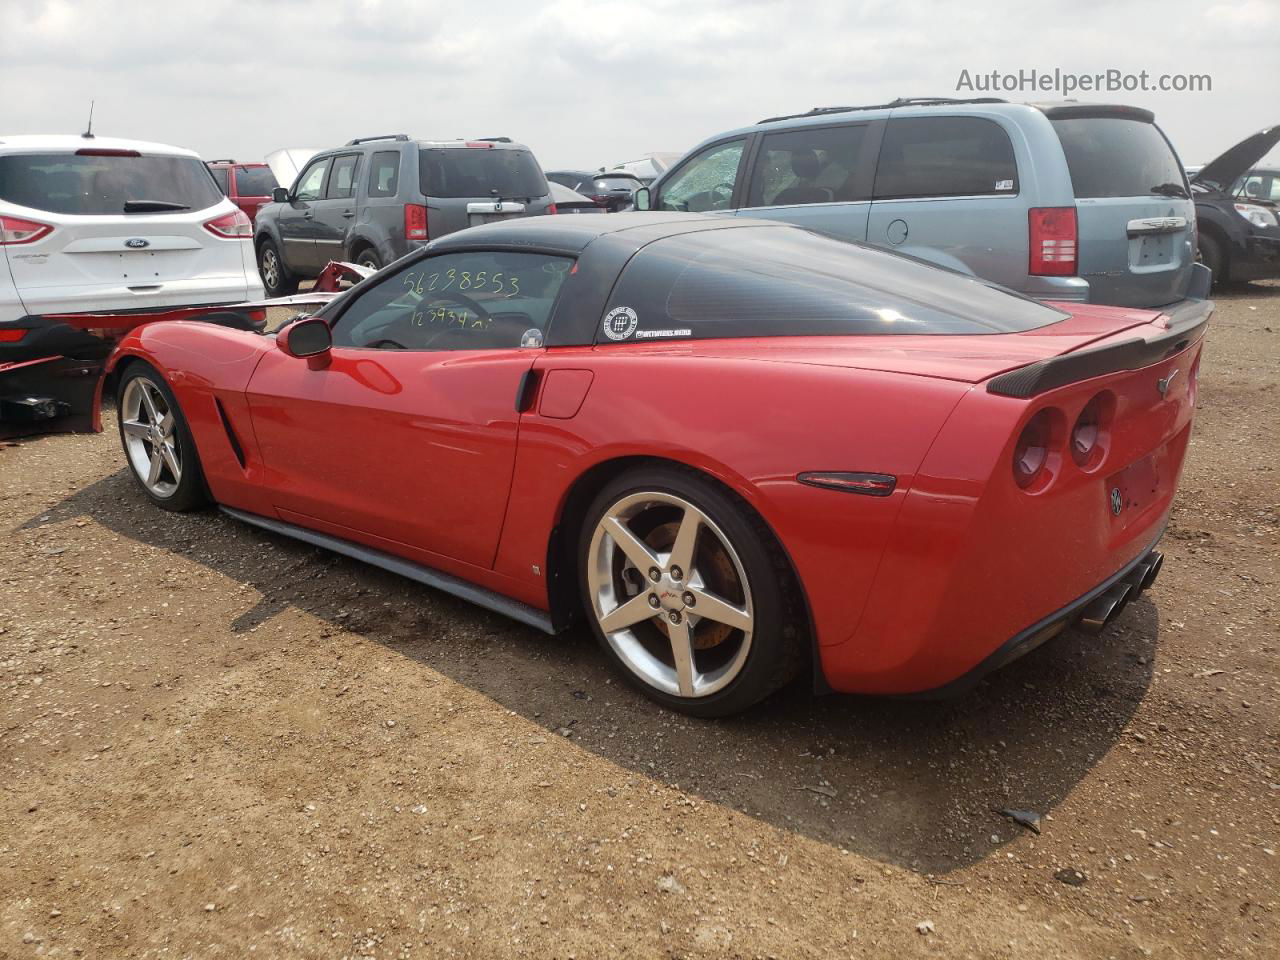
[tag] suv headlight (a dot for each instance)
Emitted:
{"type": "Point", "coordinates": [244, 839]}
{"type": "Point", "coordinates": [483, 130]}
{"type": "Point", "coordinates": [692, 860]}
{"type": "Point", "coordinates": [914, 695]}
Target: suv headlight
{"type": "Point", "coordinates": [1258, 216]}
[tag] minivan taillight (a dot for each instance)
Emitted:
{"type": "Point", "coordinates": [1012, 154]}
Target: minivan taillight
{"type": "Point", "coordinates": [415, 221]}
{"type": "Point", "coordinates": [1052, 235]}
{"type": "Point", "coordinates": [230, 226]}
{"type": "Point", "coordinates": [15, 230]}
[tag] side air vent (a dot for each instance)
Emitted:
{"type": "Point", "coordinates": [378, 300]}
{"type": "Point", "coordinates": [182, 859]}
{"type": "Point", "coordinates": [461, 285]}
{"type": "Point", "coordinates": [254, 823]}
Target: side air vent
{"type": "Point", "coordinates": [231, 434]}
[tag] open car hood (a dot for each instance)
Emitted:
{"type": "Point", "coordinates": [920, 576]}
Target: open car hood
{"type": "Point", "coordinates": [287, 163]}
{"type": "Point", "coordinates": [1224, 170]}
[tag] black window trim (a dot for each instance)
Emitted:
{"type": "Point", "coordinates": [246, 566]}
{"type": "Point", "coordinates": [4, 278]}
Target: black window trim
{"type": "Point", "coordinates": [342, 304]}
{"type": "Point", "coordinates": [868, 160]}
{"type": "Point", "coordinates": [355, 175]}
{"type": "Point", "coordinates": [399, 154]}
{"type": "Point", "coordinates": [1017, 172]}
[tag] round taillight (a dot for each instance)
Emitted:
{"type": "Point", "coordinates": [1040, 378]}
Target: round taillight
{"type": "Point", "coordinates": [1084, 435]}
{"type": "Point", "coordinates": [1031, 453]}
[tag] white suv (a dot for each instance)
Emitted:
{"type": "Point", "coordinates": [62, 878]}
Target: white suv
{"type": "Point", "coordinates": [98, 225]}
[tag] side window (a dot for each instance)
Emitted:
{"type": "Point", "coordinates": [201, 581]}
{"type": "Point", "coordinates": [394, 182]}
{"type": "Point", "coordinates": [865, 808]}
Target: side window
{"type": "Point", "coordinates": [220, 174]}
{"type": "Point", "coordinates": [808, 166]}
{"type": "Point", "coordinates": [342, 182]}
{"type": "Point", "coordinates": [706, 181]}
{"type": "Point", "coordinates": [478, 300]}
{"type": "Point", "coordinates": [945, 157]}
{"type": "Point", "coordinates": [311, 183]}
{"type": "Point", "coordinates": [384, 173]}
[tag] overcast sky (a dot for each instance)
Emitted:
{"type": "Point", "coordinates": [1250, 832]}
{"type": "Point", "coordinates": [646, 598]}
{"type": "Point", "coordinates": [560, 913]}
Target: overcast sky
{"type": "Point", "coordinates": [592, 83]}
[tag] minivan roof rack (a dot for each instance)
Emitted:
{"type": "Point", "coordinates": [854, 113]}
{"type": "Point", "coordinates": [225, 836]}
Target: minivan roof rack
{"type": "Point", "coordinates": [899, 102]}
{"type": "Point", "coordinates": [385, 136]}
{"type": "Point", "coordinates": [493, 139]}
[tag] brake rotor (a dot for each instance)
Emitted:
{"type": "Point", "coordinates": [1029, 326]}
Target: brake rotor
{"type": "Point", "coordinates": [718, 577]}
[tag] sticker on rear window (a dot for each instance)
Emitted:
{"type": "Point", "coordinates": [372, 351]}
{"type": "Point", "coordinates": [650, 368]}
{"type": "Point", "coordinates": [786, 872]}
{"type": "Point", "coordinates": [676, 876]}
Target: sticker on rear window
{"type": "Point", "coordinates": [620, 323]}
{"type": "Point", "coordinates": [648, 334]}
{"type": "Point", "coordinates": [1004, 184]}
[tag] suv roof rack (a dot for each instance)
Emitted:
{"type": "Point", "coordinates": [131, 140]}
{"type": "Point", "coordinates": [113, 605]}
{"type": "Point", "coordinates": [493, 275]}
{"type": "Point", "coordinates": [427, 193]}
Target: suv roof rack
{"type": "Point", "coordinates": [228, 160]}
{"type": "Point", "coordinates": [493, 139]}
{"type": "Point", "coordinates": [385, 136]}
{"type": "Point", "coordinates": [899, 102]}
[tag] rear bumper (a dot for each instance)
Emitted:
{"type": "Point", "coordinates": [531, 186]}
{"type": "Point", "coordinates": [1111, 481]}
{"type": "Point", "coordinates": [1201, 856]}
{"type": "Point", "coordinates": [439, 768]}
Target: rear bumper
{"type": "Point", "coordinates": [119, 298]}
{"type": "Point", "coordinates": [1132, 579]}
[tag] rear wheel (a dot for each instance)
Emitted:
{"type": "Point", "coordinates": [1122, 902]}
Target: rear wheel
{"type": "Point", "coordinates": [1214, 257]}
{"type": "Point", "coordinates": [276, 278]}
{"type": "Point", "coordinates": [368, 257]}
{"type": "Point", "coordinates": [685, 594]}
{"type": "Point", "coordinates": [157, 441]}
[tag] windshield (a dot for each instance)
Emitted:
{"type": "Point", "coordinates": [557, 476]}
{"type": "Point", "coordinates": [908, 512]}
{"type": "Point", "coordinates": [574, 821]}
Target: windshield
{"type": "Point", "coordinates": [1118, 157]}
{"type": "Point", "coordinates": [480, 172]}
{"type": "Point", "coordinates": [92, 185]}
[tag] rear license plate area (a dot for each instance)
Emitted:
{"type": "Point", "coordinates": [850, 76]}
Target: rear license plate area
{"type": "Point", "coordinates": [1151, 251]}
{"type": "Point", "coordinates": [1132, 490]}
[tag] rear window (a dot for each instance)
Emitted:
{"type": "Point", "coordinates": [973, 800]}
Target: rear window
{"type": "Point", "coordinates": [480, 172]}
{"type": "Point", "coordinates": [945, 157]}
{"type": "Point", "coordinates": [255, 181]}
{"type": "Point", "coordinates": [783, 281]}
{"type": "Point", "coordinates": [1116, 157]}
{"type": "Point", "coordinates": [94, 185]}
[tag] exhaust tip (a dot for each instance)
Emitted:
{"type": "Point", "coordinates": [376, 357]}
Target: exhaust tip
{"type": "Point", "coordinates": [1103, 610]}
{"type": "Point", "coordinates": [1157, 564]}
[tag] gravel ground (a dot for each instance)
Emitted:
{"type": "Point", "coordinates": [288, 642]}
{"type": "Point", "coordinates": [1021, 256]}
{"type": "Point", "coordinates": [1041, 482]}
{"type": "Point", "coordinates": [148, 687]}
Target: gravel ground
{"type": "Point", "coordinates": [219, 743]}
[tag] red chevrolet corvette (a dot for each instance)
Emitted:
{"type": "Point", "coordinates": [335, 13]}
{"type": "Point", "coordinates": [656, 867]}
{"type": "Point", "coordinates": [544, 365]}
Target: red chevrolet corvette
{"type": "Point", "coordinates": [735, 447]}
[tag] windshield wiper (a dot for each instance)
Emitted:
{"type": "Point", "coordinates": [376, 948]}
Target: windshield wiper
{"type": "Point", "coordinates": [1170, 190]}
{"type": "Point", "coordinates": [152, 206]}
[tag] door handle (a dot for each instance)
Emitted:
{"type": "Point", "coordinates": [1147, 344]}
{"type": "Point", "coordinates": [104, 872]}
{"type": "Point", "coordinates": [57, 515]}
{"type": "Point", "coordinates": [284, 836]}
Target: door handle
{"type": "Point", "coordinates": [348, 213]}
{"type": "Point", "coordinates": [308, 215]}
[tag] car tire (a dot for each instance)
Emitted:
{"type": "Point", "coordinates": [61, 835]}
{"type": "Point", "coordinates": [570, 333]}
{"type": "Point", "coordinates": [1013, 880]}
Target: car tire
{"type": "Point", "coordinates": [157, 441]}
{"type": "Point", "coordinates": [368, 257]}
{"type": "Point", "coordinates": [744, 626]}
{"type": "Point", "coordinates": [1214, 257]}
{"type": "Point", "coordinates": [276, 278]}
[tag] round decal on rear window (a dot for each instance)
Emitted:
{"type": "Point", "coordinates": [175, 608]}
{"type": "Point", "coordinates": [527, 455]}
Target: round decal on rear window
{"type": "Point", "coordinates": [620, 323]}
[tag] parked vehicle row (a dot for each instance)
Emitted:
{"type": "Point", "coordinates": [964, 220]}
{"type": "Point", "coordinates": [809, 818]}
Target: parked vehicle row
{"type": "Point", "coordinates": [611, 190]}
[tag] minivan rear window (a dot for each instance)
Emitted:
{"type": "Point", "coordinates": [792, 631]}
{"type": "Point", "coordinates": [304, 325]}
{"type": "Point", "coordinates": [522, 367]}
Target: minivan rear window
{"type": "Point", "coordinates": [1116, 157]}
{"type": "Point", "coordinates": [787, 282]}
{"type": "Point", "coordinates": [94, 185]}
{"type": "Point", "coordinates": [480, 172]}
{"type": "Point", "coordinates": [945, 157]}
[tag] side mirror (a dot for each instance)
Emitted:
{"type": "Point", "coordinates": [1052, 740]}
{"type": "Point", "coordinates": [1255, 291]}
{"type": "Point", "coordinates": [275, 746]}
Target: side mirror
{"type": "Point", "coordinates": [280, 195]}
{"type": "Point", "coordinates": [307, 338]}
{"type": "Point", "coordinates": [641, 198]}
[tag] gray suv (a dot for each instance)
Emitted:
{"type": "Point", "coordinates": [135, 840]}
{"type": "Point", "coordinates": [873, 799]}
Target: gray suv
{"type": "Point", "coordinates": [377, 198]}
{"type": "Point", "coordinates": [1062, 201]}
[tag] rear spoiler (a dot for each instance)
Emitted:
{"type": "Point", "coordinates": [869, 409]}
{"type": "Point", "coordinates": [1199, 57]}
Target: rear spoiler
{"type": "Point", "coordinates": [1186, 323]}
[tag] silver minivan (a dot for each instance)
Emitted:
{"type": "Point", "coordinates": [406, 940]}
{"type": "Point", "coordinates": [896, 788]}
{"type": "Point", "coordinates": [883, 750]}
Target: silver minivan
{"type": "Point", "coordinates": [1060, 201]}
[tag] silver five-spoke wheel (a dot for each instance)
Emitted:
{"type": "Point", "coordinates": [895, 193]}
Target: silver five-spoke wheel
{"type": "Point", "coordinates": [670, 594]}
{"type": "Point", "coordinates": [150, 439]}
{"type": "Point", "coordinates": [270, 269]}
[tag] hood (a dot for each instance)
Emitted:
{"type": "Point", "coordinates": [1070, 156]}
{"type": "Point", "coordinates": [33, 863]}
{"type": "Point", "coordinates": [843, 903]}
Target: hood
{"type": "Point", "coordinates": [1224, 170]}
{"type": "Point", "coordinates": [288, 162]}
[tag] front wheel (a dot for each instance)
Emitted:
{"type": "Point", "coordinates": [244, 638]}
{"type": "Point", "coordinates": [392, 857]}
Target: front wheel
{"type": "Point", "coordinates": [276, 278]}
{"type": "Point", "coordinates": [687, 593]}
{"type": "Point", "coordinates": [157, 441]}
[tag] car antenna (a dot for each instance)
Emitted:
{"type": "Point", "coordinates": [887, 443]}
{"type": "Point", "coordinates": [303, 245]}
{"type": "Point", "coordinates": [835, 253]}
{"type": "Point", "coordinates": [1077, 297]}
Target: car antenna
{"type": "Point", "coordinates": [88, 132]}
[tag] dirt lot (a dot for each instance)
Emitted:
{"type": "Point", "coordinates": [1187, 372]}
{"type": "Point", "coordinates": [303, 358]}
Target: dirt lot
{"type": "Point", "coordinates": [218, 743]}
